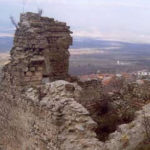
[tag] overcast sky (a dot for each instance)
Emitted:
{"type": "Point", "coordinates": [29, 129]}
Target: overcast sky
{"type": "Point", "coordinates": [123, 20]}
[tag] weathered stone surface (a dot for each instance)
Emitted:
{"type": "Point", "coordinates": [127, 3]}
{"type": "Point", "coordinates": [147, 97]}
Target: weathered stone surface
{"type": "Point", "coordinates": [48, 117]}
{"type": "Point", "coordinates": [128, 136]}
{"type": "Point", "coordinates": [52, 115]}
{"type": "Point", "coordinates": [40, 46]}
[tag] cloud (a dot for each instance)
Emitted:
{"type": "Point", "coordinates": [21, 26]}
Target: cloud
{"type": "Point", "coordinates": [115, 36]}
{"type": "Point", "coordinates": [6, 35]}
{"type": "Point", "coordinates": [125, 20]}
{"type": "Point", "coordinates": [106, 3]}
{"type": "Point", "coordinates": [102, 3]}
{"type": "Point", "coordinates": [130, 4]}
{"type": "Point", "coordinates": [7, 29]}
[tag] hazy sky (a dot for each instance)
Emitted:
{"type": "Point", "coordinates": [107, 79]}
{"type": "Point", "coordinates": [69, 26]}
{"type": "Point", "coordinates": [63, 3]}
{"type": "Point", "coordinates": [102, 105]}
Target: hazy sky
{"type": "Point", "coordinates": [123, 20]}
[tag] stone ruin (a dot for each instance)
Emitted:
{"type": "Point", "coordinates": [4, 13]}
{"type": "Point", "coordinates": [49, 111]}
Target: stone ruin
{"type": "Point", "coordinates": [41, 111]}
{"type": "Point", "coordinates": [40, 52]}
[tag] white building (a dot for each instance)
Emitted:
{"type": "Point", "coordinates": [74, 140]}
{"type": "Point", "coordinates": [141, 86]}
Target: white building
{"type": "Point", "coordinates": [143, 73]}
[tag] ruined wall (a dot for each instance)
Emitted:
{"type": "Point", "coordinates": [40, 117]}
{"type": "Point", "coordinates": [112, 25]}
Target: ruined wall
{"type": "Point", "coordinates": [42, 116]}
{"type": "Point", "coordinates": [40, 50]}
{"type": "Point", "coordinates": [52, 115]}
{"type": "Point", "coordinates": [91, 91]}
{"type": "Point", "coordinates": [47, 118]}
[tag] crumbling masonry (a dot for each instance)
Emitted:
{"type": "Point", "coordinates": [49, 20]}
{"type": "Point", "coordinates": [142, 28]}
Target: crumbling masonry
{"type": "Point", "coordinates": [41, 111]}
{"type": "Point", "coordinates": [40, 52]}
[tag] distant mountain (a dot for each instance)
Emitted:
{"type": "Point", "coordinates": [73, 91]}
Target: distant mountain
{"type": "Point", "coordinates": [100, 55]}
{"type": "Point", "coordinates": [80, 42]}
{"type": "Point", "coordinates": [131, 56]}
{"type": "Point", "coordinates": [6, 44]}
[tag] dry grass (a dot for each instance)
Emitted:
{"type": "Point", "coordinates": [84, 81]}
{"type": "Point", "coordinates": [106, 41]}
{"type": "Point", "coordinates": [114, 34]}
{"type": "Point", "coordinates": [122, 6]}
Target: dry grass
{"type": "Point", "coordinates": [4, 58]}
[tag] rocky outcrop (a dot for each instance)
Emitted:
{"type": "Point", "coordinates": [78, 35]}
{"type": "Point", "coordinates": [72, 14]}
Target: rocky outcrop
{"type": "Point", "coordinates": [49, 118]}
{"type": "Point", "coordinates": [128, 136]}
{"type": "Point", "coordinates": [74, 128]}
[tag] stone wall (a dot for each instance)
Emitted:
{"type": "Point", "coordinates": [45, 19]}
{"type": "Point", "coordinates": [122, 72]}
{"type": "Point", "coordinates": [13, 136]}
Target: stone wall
{"type": "Point", "coordinates": [40, 51]}
{"type": "Point", "coordinates": [47, 118]}
{"type": "Point", "coordinates": [52, 115]}
{"type": "Point", "coordinates": [91, 91]}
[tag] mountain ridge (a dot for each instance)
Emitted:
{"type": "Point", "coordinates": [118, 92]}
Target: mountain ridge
{"type": "Point", "coordinates": [84, 42]}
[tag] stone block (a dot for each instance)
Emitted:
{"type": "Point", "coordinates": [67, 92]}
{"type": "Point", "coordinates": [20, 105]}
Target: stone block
{"type": "Point", "coordinates": [36, 78]}
{"type": "Point", "coordinates": [29, 74]}
{"type": "Point", "coordinates": [40, 68]}
{"type": "Point", "coordinates": [27, 79]}
{"type": "Point", "coordinates": [32, 69]}
{"type": "Point", "coordinates": [39, 74]}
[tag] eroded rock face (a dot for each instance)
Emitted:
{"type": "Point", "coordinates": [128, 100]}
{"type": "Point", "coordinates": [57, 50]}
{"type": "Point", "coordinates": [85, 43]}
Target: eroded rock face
{"type": "Point", "coordinates": [40, 51]}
